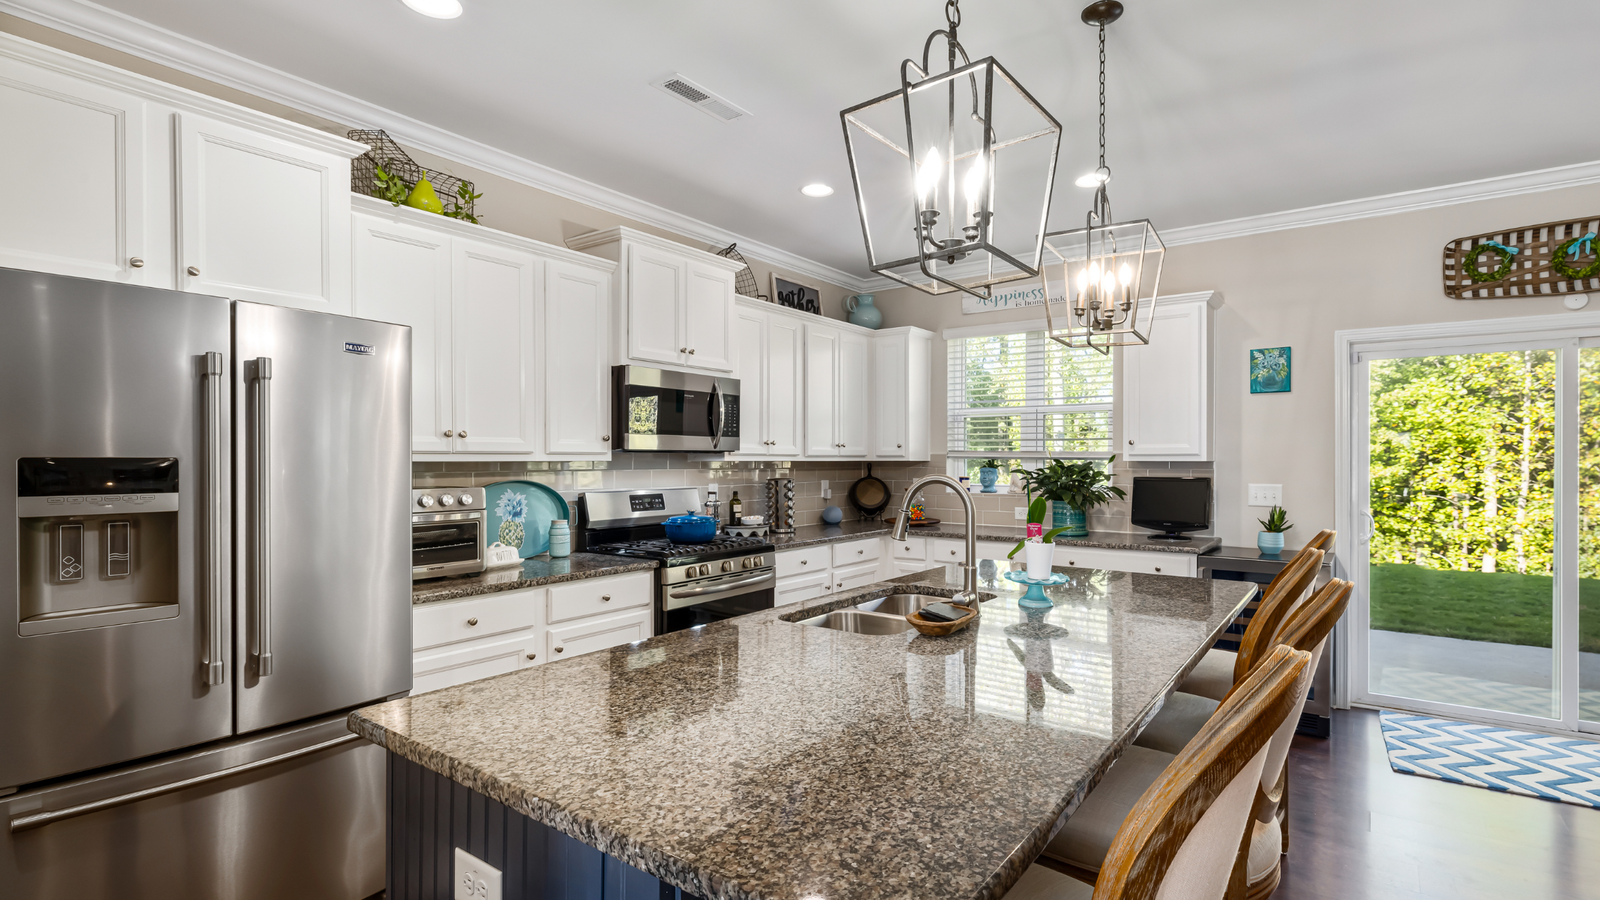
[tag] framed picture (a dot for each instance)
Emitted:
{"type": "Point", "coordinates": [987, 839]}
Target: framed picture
{"type": "Point", "coordinates": [796, 296]}
{"type": "Point", "coordinates": [1269, 370]}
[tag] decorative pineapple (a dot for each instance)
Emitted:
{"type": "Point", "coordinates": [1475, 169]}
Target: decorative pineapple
{"type": "Point", "coordinates": [513, 512]}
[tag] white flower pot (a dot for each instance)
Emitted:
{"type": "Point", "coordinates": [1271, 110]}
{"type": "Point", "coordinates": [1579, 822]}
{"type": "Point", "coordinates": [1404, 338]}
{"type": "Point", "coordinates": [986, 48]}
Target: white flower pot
{"type": "Point", "coordinates": [1039, 556]}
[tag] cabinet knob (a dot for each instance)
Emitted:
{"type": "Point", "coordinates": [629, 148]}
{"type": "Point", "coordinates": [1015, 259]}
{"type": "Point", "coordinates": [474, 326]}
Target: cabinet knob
{"type": "Point", "coordinates": [1130, 443]}
{"type": "Point", "coordinates": [841, 584]}
{"type": "Point", "coordinates": [683, 349]}
{"type": "Point", "coordinates": [473, 620]}
{"type": "Point", "coordinates": [450, 433]}
{"type": "Point", "coordinates": [691, 351]}
{"type": "Point", "coordinates": [605, 437]}
{"type": "Point", "coordinates": [463, 434]}
{"type": "Point", "coordinates": [1158, 568]}
{"type": "Point", "coordinates": [1072, 562]}
{"type": "Point", "coordinates": [861, 552]}
{"type": "Point", "coordinates": [533, 656]}
{"type": "Point", "coordinates": [898, 446]}
{"type": "Point", "coordinates": [194, 271]}
{"type": "Point", "coordinates": [559, 649]}
{"type": "Point", "coordinates": [605, 597]}
{"type": "Point", "coordinates": [136, 262]}
{"type": "Point", "coordinates": [805, 562]}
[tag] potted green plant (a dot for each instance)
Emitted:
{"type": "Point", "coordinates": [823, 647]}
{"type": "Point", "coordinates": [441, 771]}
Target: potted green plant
{"type": "Point", "coordinates": [1040, 544]}
{"type": "Point", "coordinates": [989, 475]}
{"type": "Point", "coordinates": [1073, 488]}
{"type": "Point", "coordinates": [1270, 540]}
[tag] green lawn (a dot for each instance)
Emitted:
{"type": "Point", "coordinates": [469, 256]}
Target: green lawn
{"type": "Point", "coordinates": [1495, 606]}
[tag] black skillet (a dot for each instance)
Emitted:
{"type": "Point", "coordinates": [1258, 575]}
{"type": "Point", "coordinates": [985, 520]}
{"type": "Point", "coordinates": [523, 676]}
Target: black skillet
{"type": "Point", "coordinates": [869, 495]}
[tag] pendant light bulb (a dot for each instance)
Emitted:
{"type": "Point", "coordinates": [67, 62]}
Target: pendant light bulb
{"type": "Point", "coordinates": [974, 184]}
{"type": "Point", "coordinates": [1125, 274]}
{"type": "Point", "coordinates": [928, 175]}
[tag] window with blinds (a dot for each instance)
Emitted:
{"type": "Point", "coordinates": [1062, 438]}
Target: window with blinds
{"type": "Point", "coordinates": [1023, 397]}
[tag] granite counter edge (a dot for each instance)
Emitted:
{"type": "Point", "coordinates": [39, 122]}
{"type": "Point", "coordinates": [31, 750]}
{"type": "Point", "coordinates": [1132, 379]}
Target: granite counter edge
{"type": "Point", "coordinates": [1196, 547]}
{"type": "Point", "coordinates": [443, 592]}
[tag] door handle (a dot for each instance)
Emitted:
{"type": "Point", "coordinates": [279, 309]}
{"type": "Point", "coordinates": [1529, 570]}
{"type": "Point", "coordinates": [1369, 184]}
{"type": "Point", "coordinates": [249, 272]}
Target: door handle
{"type": "Point", "coordinates": [38, 819]}
{"type": "Point", "coordinates": [261, 511]}
{"type": "Point", "coordinates": [718, 411]}
{"type": "Point", "coordinates": [214, 669]}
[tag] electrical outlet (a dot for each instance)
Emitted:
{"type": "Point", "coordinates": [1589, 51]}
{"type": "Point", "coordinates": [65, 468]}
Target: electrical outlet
{"type": "Point", "coordinates": [826, 494]}
{"type": "Point", "coordinates": [1020, 513]}
{"type": "Point", "coordinates": [475, 879]}
{"type": "Point", "coordinates": [1266, 495]}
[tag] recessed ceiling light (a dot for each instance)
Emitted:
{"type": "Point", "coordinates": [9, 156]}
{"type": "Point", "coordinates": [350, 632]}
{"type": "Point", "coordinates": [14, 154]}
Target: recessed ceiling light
{"type": "Point", "coordinates": [437, 9]}
{"type": "Point", "coordinates": [1093, 179]}
{"type": "Point", "coordinates": [817, 190]}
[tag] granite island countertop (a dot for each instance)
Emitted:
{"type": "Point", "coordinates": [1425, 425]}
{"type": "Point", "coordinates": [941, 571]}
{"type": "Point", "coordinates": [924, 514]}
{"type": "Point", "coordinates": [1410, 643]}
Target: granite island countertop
{"type": "Point", "coordinates": [807, 535]}
{"type": "Point", "coordinates": [533, 572]}
{"type": "Point", "coordinates": [762, 758]}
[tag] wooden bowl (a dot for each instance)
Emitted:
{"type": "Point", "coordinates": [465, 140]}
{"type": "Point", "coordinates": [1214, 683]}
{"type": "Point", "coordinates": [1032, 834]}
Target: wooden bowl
{"type": "Point", "coordinates": [939, 629]}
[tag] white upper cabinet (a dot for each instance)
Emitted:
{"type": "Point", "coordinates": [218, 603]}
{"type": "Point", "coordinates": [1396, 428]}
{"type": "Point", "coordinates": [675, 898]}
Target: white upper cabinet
{"type": "Point", "coordinates": [901, 389]}
{"type": "Point", "coordinates": [262, 219]}
{"type": "Point", "coordinates": [769, 361]}
{"type": "Point", "coordinates": [1166, 384]}
{"type": "Point", "coordinates": [750, 367]}
{"type": "Point", "coordinates": [837, 391]}
{"type": "Point", "coordinates": [402, 275]}
{"type": "Point", "coordinates": [673, 303]}
{"type": "Point", "coordinates": [76, 194]}
{"type": "Point", "coordinates": [577, 383]}
{"type": "Point", "coordinates": [854, 392]}
{"type": "Point", "coordinates": [123, 178]}
{"type": "Point", "coordinates": [495, 347]}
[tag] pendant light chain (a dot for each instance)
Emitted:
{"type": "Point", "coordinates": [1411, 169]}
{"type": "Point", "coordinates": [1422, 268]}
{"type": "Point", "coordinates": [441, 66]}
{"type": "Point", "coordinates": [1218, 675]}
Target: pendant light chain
{"type": "Point", "coordinates": [1103, 99]}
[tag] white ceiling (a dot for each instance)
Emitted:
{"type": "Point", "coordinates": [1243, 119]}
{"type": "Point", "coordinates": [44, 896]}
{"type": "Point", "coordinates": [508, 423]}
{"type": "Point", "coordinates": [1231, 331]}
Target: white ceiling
{"type": "Point", "coordinates": [1218, 110]}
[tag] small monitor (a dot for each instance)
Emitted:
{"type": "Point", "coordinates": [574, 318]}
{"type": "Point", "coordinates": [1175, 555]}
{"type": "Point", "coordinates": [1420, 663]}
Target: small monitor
{"type": "Point", "coordinates": [1171, 506]}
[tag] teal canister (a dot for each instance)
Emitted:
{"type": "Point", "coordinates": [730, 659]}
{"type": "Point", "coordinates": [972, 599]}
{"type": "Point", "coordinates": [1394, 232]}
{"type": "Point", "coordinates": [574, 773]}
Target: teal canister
{"type": "Point", "coordinates": [560, 539]}
{"type": "Point", "coordinates": [862, 312]}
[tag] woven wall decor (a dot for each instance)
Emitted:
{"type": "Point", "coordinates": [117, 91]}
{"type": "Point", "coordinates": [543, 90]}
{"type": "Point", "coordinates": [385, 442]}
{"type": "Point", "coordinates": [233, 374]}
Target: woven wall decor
{"type": "Point", "coordinates": [1553, 258]}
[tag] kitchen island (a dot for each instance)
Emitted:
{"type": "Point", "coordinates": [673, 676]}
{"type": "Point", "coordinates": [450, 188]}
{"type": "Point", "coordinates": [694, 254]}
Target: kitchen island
{"type": "Point", "coordinates": [764, 758]}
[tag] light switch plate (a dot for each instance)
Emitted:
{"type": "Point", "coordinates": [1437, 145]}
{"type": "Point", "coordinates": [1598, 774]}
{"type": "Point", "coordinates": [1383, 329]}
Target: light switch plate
{"type": "Point", "coordinates": [1020, 513]}
{"type": "Point", "coordinates": [1266, 495]}
{"type": "Point", "coordinates": [475, 879]}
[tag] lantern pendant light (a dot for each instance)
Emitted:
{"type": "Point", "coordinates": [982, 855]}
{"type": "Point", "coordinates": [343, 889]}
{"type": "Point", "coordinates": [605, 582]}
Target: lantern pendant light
{"type": "Point", "coordinates": [1110, 272]}
{"type": "Point", "coordinates": [953, 173]}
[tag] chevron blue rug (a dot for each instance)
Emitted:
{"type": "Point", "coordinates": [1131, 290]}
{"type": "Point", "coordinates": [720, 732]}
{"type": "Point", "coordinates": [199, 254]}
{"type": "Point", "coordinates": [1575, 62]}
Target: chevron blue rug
{"type": "Point", "coordinates": [1565, 769]}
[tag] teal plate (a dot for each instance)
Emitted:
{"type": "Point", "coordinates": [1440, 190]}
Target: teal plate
{"type": "Point", "coordinates": [520, 513]}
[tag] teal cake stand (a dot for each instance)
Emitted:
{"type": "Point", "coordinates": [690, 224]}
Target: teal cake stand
{"type": "Point", "coordinates": [1035, 598]}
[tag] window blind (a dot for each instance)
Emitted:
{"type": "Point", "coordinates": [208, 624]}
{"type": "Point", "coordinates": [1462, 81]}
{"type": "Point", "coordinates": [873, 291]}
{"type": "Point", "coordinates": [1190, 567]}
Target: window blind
{"type": "Point", "coordinates": [1018, 396]}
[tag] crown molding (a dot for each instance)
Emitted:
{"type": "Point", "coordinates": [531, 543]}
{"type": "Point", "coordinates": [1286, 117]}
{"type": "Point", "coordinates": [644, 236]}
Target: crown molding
{"type": "Point", "coordinates": [124, 33]}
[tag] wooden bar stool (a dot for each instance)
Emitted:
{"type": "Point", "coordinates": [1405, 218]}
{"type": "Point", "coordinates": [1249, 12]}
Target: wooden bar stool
{"type": "Point", "coordinates": [1180, 837]}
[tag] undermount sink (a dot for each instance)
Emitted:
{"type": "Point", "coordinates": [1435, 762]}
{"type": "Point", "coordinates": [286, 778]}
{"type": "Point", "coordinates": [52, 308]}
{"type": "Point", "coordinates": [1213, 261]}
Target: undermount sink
{"type": "Point", "coordinates": [900, 604]}
{"type": "Point", "coordinates": [856, 621]}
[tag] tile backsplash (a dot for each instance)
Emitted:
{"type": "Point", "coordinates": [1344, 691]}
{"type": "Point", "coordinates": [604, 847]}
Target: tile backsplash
{"type": "Point", "coordinates": [646, 470]}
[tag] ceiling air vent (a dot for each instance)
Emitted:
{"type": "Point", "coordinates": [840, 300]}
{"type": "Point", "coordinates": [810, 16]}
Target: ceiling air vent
{"type": "Point", "coordinates": [699, 98]}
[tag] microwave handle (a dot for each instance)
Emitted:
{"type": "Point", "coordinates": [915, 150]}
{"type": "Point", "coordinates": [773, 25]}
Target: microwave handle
{"type": "Point", "coordinates": [719, 411]}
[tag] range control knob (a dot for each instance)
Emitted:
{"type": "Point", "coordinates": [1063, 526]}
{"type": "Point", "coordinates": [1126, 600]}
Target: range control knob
{"type": "Point", "coordinates": [447, 499]}
{"type": "Point", "coordinates": [727, 565]}
{"type": "Point", "coordinates": [465, 499]}
{"type": "Point", "coordinates": [425, 501]}
{"type": "Point", "coordinates": [705, 569]}
{"type": "Point", "coordinates": [746, 563]}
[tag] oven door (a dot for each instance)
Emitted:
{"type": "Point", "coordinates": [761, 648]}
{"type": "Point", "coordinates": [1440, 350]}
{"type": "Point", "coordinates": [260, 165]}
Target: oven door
{"type": "Point", "coordinates": [714, 599]}
{"type": "Point", "coordinates": [446, 544]}
{"type": "Point", "coordinates": [675, 411]}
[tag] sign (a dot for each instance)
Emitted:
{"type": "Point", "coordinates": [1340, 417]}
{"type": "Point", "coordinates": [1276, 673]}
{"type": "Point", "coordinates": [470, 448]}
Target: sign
{"type": "Point", "coordinates": [1017, 295]}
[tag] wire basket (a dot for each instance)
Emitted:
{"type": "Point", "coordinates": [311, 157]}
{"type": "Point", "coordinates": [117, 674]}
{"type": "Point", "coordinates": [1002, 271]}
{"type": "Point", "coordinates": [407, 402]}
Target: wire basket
{"type": "Point", "coordinates": [744, 283]}
{"type": "Point", "coordinates": [383, 151]}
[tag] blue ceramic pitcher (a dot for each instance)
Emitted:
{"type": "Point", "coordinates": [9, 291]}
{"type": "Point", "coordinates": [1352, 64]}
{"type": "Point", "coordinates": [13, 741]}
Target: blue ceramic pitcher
{"type": "Point", "coordinates": [862, 312]}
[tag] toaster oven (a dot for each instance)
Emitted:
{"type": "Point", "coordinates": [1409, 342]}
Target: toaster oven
{"type": "Point", "coordinates": [447, 532]}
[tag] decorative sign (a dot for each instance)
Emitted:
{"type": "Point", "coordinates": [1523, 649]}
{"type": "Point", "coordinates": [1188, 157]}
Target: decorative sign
{"type": "Point", "coordinates": [1017, 295]}
{"type": "Point", "coordinates": [1539, 260]}
{"type": "Point", "coordinates": [1269, 371]}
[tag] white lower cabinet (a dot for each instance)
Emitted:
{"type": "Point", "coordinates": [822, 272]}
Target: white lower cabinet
{"type": "Point", "coordinates": [795, 588]}
{"type": "Point", "coordinates": [457, 641]}
{"type": "Point", "coordinates": [859, 575]}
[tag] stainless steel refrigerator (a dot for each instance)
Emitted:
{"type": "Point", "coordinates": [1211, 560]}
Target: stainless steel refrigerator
{"type": "Point", "coordinates": [208, 566]}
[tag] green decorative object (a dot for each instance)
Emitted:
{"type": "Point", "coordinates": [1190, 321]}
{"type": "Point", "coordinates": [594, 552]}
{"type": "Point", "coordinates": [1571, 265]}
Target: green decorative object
{"type": "Point", "coordinates": [511, 533]}
{"type": "Point", "coordinates": [423, 197]}
{"type": "Point", "coordinates": [1079, 486]}
{"type": "Point", "coordinates": [1564, 268]}
{"type": "Point", "coordinates": [1508, 258]}
{"type": "Point", "coordinates": [461, 207]}
{"type": "Point", "coordinates": [1270, 370]}
{"type": "Point", "coordinates": [391, 187]}
{"type": "Point", "coordinates": [1270, 540]}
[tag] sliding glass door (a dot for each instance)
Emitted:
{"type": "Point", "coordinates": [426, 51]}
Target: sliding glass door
{"type": "Point", "coordinates": [1475, 484]}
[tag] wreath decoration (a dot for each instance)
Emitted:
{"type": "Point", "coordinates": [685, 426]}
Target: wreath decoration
{"type": "Point", "coordinates": [1558, 260]}
{"type": "Point", "coordinates": [1469, 261]}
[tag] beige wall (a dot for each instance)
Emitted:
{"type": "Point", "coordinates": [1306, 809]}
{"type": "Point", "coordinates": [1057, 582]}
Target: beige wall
{"type": "Point", "coordinates": [507, 205]}
{"type": "Point", "coordinates": [1296, 288]}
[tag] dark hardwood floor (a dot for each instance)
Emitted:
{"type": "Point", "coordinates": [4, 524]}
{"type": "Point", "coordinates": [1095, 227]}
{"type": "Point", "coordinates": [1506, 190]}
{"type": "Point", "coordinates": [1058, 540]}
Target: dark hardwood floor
{"type": "Point", "coordinates": [1360, 831]}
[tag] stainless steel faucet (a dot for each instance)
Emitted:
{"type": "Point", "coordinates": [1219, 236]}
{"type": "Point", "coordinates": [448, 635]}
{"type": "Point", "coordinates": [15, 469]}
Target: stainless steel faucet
{"type": "Point", "coordinates": [969, 571]}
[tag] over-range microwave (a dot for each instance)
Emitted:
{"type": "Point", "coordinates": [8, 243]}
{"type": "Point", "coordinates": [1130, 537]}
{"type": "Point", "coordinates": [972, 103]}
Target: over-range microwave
{"type": "Point", "coordinates": [658, 410]}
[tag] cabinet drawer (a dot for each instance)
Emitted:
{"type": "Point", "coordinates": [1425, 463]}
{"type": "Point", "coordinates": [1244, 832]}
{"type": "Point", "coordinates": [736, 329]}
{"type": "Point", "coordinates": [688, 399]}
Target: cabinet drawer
{"type": "Point", "coordinates": [851, 552]}
{"type": "Point", "coordinates": [910, 548]}
{"type": "Point", "coordinates": [804, 561]}
{"type": "Point", "coordinates": [945, 550]}
{"type": "Point", "coordinates": [803, 587]}
{"type": "Point", "coordinates": [848, 578]}
{"type": "Point", "coordinates": [462, 620]}
{"type": "Point", "coordinates": [600, 633]}
{"type": "Point", "coordinates": [479, 659]}
{"type": "Point", "coordinates": [1150, 563]}
{"type": "Point", "coordinates": [598, 596]}
{"type": "Point", "coordinates": [902, 567]}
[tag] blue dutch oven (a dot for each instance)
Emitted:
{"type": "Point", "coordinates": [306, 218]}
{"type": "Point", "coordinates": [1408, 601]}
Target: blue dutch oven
{"type": "Point", "coordinates": [691, 529]}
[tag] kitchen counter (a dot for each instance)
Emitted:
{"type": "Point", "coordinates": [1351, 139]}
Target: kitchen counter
{"type": "Point", "coordinates": [532, 573]}
{"type": "Point", "coordinates": [761, 758]}
{"type": "Point", "coordinates": [806, 535]}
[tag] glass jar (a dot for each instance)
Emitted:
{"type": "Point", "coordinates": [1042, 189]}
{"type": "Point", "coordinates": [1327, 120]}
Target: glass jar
{"type": "Point", "coordinates": [560, 539]}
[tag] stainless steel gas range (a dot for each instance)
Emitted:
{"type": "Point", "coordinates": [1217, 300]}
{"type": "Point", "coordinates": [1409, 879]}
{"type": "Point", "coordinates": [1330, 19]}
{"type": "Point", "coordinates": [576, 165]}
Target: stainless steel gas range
{"type": "Point", "coordinates": [696, 584]}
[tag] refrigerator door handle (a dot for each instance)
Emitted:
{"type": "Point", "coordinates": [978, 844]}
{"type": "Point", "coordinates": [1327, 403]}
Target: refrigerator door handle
{"type": "Point", "coordinates": [39, 819]}
{"type": "Point", "coordinates": [261, 510]}
{"type": "Point", "coordinates": [214, 669]}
